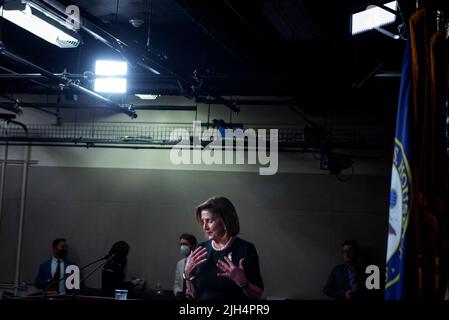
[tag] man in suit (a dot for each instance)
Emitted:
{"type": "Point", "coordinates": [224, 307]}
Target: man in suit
{"type": "Point", "coordinates": [346, 280]}
{"type": "Point", "coordinates": [53, 270]}
{"type": "Point", "coordinates": [187, 243]}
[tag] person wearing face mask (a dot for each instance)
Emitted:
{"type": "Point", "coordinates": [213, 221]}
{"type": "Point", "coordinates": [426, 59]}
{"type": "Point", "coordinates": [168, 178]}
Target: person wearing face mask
{"type": "Point", "coordinates": [225, 267]}
{"type": "Point", "coordinates": [187, 243]}
{"type": "Point", "coordinates": [54, 269]}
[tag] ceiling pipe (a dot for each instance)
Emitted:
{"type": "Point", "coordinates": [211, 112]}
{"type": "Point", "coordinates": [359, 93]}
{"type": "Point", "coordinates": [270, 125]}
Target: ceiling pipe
{"type": "Point", "coordinates": [9, 118]}
{"type": "Point", "coordinates": [137, 76]}
{"type": "Point", "coordinates": [250, 102]}
{"type": "Point", "coordinates": [13, 107]}
{"type": "Point", "coordinates": [166, 84]}
{"type": "Point", "coordinates": [86, 143]}
{"type": "Point", "coordinates": [9, 98]}
{"type": "Point", "coordinates": [235, 11]}
{"type": "Point", "coordinates": [48, 111]}
{"type": "Point", "coordinates": [13, 73]}
{"type": "Point", "coordinates": [207, 29]}
{"type": "Point", "coordinates": [16, 105]}
{"type": "Point", "coordinates": [22, 76]}
{"type": "Point", "coordinates": [98, 106]}
{"type": "Point", "coordinates": [64, 82]}
{"type": "Point", "coordinates": [157, 65]}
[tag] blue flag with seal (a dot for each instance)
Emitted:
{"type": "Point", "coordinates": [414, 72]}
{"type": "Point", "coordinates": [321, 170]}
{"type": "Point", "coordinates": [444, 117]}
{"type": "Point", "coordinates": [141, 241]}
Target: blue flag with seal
{"type": "Point", "coordinates": [401, 186]}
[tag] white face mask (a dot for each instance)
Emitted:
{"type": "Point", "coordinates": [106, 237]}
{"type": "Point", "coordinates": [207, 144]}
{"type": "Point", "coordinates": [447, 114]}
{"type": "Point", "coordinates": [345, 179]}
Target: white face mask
{"type": "Point", "coordinates": [185, 250]}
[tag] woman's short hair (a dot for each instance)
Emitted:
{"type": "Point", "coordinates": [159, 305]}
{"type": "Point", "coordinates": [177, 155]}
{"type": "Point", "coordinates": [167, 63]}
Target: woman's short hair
{"type": "Point", "coordinates": [224, 209]}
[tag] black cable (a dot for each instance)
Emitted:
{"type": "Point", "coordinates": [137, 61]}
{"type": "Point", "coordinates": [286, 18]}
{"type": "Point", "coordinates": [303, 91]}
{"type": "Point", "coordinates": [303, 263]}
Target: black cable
{"type": "Point", "coordinates": [21, 125]}
{"type": "Point", "coordinates": [150, 13]}
{"type": "Point", "coordinates": [208, 116]}
{"type": "Point", "coordinates": [116, 12]}
{"type": "Point", "coordinates": [230, 114]}
{"type": "Point", "coordinates": [242, 19]}
{"type": "Point", "coordinates": [303, 116]}
{"type": "Point", "coordinates": [402, 28]}
{"type": "Point", "coordinates": [78, 62]}
{"type": "Point", "coordinates": [196, 110]}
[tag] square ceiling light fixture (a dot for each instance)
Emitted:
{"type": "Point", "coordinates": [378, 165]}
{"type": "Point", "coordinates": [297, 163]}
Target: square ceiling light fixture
{"type": "Point", "coordinates": [110, 76]}
{"type": "Point", "coordinates": [44, 24]}
{"type": "Point", "coordinates": [375, 17]}
{"type": "Point", "coordinates": [147, 96]}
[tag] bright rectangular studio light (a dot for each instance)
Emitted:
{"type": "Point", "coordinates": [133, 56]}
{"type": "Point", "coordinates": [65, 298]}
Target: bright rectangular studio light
{"type": "Point", "coordinates": [110, 85]}
{"type": "Point", "coordinates": [111, 78]}
{"type": "Point", "coordinates": [373, 17]}
{"type": "Point", "coordinates": [42, 25]}
{"type": "Point", "coordinates": [111, 68]}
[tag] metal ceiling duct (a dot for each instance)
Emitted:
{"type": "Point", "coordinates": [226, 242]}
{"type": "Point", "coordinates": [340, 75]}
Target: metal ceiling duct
{"type": "Point", "coordinates": [148, 61]}
{"type": "Point", "coordinates": [63, 82]}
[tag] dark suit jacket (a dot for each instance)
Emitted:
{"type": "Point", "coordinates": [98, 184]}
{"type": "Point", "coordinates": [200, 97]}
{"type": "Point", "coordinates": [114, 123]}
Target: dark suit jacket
{"type": "Point", "coordinates": [44, 276]}
{"type": "Point", "coordinates": [338, 283]}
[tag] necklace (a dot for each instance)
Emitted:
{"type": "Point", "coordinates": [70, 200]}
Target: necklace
{"type": "Point", "coordinates": [214, 246]}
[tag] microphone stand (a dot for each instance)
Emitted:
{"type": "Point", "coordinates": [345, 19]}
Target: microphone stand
{"type": "Point", "coordinates": [107, 257]}
{"type": "Point", "coordinates": [95, 269]}
{"type": "Point", "coordinates": [45, 294]}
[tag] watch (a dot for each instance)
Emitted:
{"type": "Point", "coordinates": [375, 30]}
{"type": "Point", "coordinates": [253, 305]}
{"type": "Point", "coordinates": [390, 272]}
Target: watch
{"type": "Point", "coordinates": [191, 278]}
{"type": "Point", "coordinates": [244, 285]}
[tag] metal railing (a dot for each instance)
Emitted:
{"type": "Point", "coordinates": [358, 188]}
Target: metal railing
{"type": "Point", "coordinates": [165, 134]}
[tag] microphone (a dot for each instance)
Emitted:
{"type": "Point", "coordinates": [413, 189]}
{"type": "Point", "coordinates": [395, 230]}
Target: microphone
{"type": "Point", "coordinates": [107, 257]}
{"type": "Point", "coordinates": [54, 282]}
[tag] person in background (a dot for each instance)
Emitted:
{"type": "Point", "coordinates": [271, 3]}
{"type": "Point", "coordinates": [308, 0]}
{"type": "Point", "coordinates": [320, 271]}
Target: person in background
{"type": "Point", "coordinates": [225, 267]}
{"type": "Point", "coordinates": [346, 280]}
{"type": "Point", "coordinates": [114, 271]}
{"type": "Point", "coordinates": [187, 243]}
{"type": "Point", "coordinates": [51, 272]}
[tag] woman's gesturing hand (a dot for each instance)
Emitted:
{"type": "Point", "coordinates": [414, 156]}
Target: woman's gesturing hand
{"type": "Point", "coordinates": [230, 270]}
{"type": "Point", "coordinates": [195, 259]}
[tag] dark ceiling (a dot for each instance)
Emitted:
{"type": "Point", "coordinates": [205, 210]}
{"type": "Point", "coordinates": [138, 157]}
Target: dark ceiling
{"type": "Point", "coordinates": [298, 48]}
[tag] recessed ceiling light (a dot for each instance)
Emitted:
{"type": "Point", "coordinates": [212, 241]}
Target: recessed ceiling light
{"type": "Point", "coordinates": [373, 17]}
{"type": "Point", "coordinates": [136, 23]}
{"type": "Point", "coordinates": [147, 96]}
